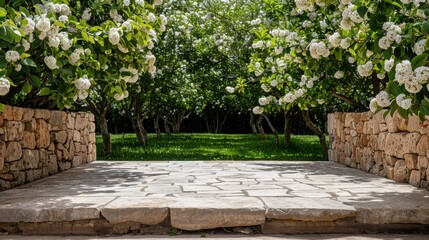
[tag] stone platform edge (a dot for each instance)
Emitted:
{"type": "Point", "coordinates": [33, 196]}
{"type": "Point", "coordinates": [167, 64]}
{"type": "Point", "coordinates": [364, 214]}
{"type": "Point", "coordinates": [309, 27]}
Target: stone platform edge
{"type": "Point", "coordinates": [269, 215]}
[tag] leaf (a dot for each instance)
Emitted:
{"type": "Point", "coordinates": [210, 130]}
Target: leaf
{"type": "Point", "coordinates": [425, 27]}
{"type": "Point", "coordinates": [419, 60]}
{"type": "Point", "coordinates": [27, 87]}
{"type": "Point", "coordinates": [3, 12]}
{"type": "Point", "coordinates": [362, 11]}
{"type": "Point", "coordinates": [394, 3]}
{"type": "Point", "coordinates": [7, 34]}
{"type": "Point", "coordinates": [393, 88]}
{"type": "Point", "coordinates": [424, 109]}
{"type": "Point", "coordinates": [45, 91]}
{"type": "Point", "coordinates": [28, 62]}
{"type": "Point", "coordinates": [35, 81]}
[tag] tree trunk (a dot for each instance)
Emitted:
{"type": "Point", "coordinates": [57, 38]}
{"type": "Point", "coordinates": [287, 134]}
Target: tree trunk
{"type": "Point", "coordinates": [317, 131]}
{"type": "Point", "coordinates": [138, 130]}
{"type": "Point", "coordinates": [156, 125]}
{"type": "Point", "coordinates": [107, 144]}
{"type": "Point", "coordinates": [142, 129]}
{"type": "Point", "coordinates": [252, 123]}
{"type": "Point", "coordinates": [166, 126]}
{"type": "Point", "coordinates": [260, 127]}
{"type": "Point", "coordinates": [222, 124]}
{"type": "Point", "coordinates": [273, 129]}
{"type": "Point", "coordinates": [288, 127]}
{"type": "Point", "coordinates": [375, 84]}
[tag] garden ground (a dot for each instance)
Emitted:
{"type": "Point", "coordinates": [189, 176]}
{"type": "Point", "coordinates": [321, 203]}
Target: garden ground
{"type": "Point", "coordinates": [255, 196]}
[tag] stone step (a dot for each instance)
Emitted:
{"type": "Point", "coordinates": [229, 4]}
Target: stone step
{"type": "Point", "coordinates": [284, 215]}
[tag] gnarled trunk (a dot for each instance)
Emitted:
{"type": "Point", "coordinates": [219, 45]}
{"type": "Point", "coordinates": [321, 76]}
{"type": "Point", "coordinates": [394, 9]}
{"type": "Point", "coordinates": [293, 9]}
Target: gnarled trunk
{"type": "Point", "coordinates": [107, 144]}
{"type": "Point", "coordinates": [166, 125]}
{"type": "Point", "coordinates": [252, 123]}
{"type": "Point", "coordinates": [288, 127]}
{"type": "Point", "coordinates": [260, 127]}
{"type": "Point", "coordinates": [273, 129]}
{"type": "Point", "coordinates": [138, 130]}
{"type": "Point", "coordinates": [156, 124]}
{"type": "Point", "coordinates": [317, 131]}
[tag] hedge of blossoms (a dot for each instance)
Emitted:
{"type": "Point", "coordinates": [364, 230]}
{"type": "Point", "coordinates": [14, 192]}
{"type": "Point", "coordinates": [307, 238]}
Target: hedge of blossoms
{"type": "Point", "coordinates": [64, 50]}
{"type": "Point", "coordinates": [326, 47]}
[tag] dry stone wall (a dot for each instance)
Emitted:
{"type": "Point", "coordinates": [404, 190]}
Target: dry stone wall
{"type": "Point", "coordinates": [391, 147]}
{"type": "Point", "coordinates": [35, 143]}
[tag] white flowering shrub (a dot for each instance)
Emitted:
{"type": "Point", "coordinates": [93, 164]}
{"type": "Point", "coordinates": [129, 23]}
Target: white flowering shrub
{"type": "Point", "coordinates": [65, 50]}
{"type": "Point", "coordinates": [307, 52]}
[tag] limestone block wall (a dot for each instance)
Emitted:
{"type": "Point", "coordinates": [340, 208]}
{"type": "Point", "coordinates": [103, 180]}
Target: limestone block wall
{"type": "Point", "coordinates": [35, 143]}
{"type": "Point", "coordinates": [390, 147]}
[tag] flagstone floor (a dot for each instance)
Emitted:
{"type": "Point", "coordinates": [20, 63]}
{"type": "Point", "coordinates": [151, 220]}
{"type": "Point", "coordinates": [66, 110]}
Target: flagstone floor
{"type": "Point", "coordinates": [272, 197]}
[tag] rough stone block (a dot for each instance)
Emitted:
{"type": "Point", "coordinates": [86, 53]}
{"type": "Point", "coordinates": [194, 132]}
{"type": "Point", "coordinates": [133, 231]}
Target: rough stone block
{"type": "Point", "coordinates": [411, 161]}
{"type": "Point", "coordinates": [13, 151]}
{"type": "Point", "coordinates": [16, 166]}
{"type": "Point", "coordinates": [28, 140]}
{"type": "Point", "coordinates": [1, 163]}
{"type": "Point", "coordinates": [2, 149]}
{"type": "Point", "coordinates": [392, 123]}
{"type": "Point", "coordinates": [31, 125]}
{"type": "Point", "coordinates": [422, 163]}
{"type": "Point", "coordinates": [410, 142]}
{"type": "Point", "coordinates": [53, 164]}
{"type": "Point", "coordinates": [31, 158]}
{"type": "Point", "coordinates": [383, 127]}
{"type": "Point", "coordinates": [415, 178]}
{"type": "Point", "coordinates": [70, 121]}
{"type": "Point", "coordinates": [390, 172]}
{"type": "Point", "coordinates": [8, 113]}
{"type": "Point", "coordinates": [43, 157]}
{"type": "Point", "coordinates": [413, 124]}
{"type": "Point", "coordinates": [381, 141]}
{"type": "Point", "coordinates": [63, 165]}
{"type": "Point", "coordinates": [76, 136]}
{"type": "Point", "coordinates": [58, 118]}
{"type": "Point", "coordinates": [43, 138]}
{"type": "Point", "coordinates": [391, 160]}
{"type": "Point", "coordinates": [28, 115]}
{"type": "Point", "coordinates": [13, 130]}
{"type": "Point", "coordinates": [60, 137]}
{"type": "Point", "coordinates": [360, 127]}
{"type": "Point", "coordinates": [400, 174]}
{"type": "Point", "coordinates": [348, 119]}
{"type": "Point", "coordinates": [42, 114]}
{"type": "Point", "coordinates": [92, 127]}
{"type": "Point", "coordinates": [423, 145]}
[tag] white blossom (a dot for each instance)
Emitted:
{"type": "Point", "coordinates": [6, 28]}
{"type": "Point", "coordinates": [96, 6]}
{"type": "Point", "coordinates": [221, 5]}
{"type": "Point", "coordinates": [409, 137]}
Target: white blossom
{"type": "Point", "coordinates": [51, 62]}
{"type": "Point", "coordinates": [12, 56]}
{"type": "Point", "coordinates": [258, 110]}
{"type": "Point", "coordinates": [230, 89]}
{"type": "Point", "coordinates": [4, 86]}
{"type": "Point", "coordinates": [339, 74]}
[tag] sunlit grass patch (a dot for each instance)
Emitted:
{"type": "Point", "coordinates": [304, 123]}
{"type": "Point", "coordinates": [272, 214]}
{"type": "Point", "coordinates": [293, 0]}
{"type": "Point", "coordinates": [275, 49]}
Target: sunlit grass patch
{"type": "Point", "coordinates": [212, 147]}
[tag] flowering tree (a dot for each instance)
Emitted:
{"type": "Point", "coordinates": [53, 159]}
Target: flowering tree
{"type": "Point", "coordinates": [87, 52]}
{"type": "Point", "coordinates": [310, 51]}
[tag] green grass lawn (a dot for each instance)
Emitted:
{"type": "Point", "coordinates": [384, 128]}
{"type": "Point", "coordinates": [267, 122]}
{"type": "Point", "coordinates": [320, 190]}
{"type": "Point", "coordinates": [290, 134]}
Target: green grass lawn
{"type": "Point", "coordinates": [212, 147]}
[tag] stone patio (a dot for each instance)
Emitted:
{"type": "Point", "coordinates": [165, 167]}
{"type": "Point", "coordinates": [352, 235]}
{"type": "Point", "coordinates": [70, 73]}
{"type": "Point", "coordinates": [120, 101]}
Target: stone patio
{"type": "Point", "coordinates": [268, 197]}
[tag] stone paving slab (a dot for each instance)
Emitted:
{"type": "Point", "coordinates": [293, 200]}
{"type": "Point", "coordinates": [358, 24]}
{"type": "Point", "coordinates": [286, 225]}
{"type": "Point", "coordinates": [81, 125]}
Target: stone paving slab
{"type": "Point", "coordinates": [48, 209]}
{"type": "Point", "coordinates": [235, 236]}
{"type": "Point", "coordinates": [207, 195]}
